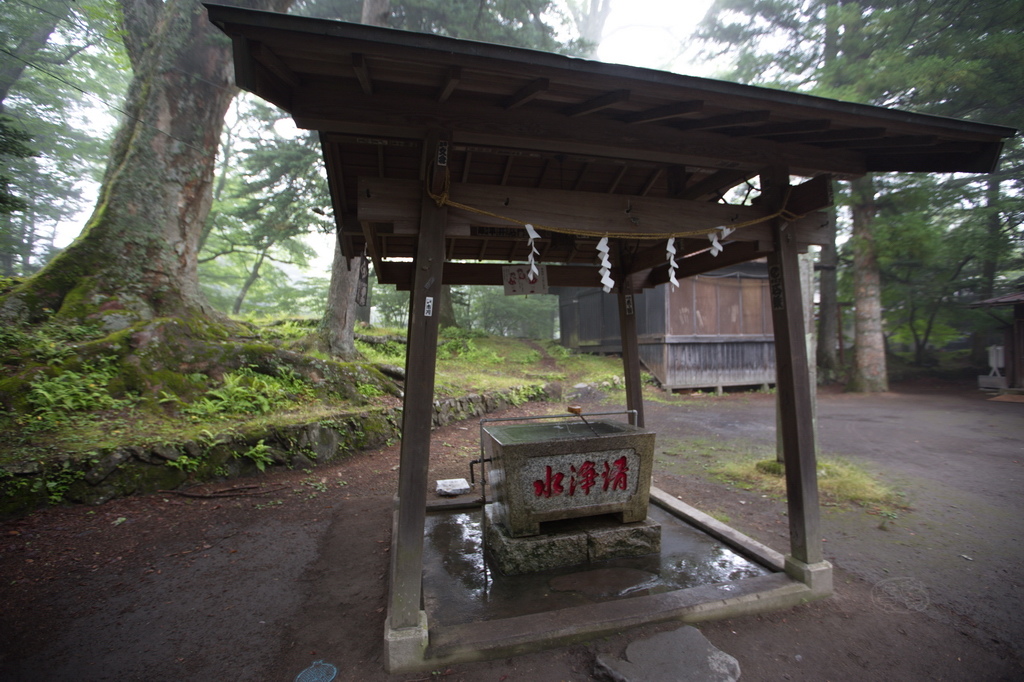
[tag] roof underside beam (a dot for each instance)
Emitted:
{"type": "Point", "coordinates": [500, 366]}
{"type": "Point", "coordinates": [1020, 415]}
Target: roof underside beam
{"type": "Point", "coordinates": [582, 213]}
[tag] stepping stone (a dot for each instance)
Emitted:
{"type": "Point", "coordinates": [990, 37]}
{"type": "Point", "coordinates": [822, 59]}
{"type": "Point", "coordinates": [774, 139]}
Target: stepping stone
{"type": "Point", "coordinates": [682, 655]}
{"type": "Point", "coordinates": [451, 487]}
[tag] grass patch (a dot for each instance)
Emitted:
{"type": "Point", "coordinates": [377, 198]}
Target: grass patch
{"type": "Point", "coordinates": [840, 481]}
{"type": "Point", "coordinates": [752, 466]}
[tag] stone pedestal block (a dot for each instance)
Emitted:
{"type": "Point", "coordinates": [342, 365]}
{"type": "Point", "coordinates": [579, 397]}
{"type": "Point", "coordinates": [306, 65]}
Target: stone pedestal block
{"type": "Point", "coordinates": [569, 543]}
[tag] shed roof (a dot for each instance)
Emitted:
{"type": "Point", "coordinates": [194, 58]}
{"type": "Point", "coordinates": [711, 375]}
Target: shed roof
{"type": "Point", "coordinates": [1013, 298]}
{"type": "Point", "coordinates": [562, 141]}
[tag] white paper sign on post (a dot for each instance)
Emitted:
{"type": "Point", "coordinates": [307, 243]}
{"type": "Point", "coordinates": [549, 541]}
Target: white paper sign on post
{"type": "Point", "coordinates": [518, 281]}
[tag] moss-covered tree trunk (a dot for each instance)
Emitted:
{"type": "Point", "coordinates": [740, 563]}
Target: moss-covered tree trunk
{"type": "Point", "coordinates": [869, 374]}
{"type": "Point", "coordinates": [136, 257]}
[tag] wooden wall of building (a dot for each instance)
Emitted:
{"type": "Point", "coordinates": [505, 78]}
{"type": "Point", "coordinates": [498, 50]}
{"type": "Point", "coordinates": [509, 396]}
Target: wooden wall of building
{"type": "Point", "coordinates": [713, 331]}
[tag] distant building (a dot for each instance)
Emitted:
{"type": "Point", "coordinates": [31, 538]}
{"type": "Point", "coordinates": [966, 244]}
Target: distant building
{"type": "Point", "coordinates": [714, 331]}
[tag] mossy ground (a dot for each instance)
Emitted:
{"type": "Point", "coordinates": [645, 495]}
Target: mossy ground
{"type": "Point", "coordinates": [73, 395]}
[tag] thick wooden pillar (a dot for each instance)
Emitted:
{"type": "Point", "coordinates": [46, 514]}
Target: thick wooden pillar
{"type": "Point", "coordinates": [793, 383]}
{"type": "Point", "coordinates": [630, 350]}
{"type": "Point", "coordinates": [418, 410]}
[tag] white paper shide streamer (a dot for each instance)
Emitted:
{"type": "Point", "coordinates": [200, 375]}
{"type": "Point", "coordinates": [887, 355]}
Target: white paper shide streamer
{"type": "Point", "coordinates": [606, 266]}
{"type": "Point", "coordinates": [533, 252]}
{"type": "Point", "coordinates": [719, 233]}
{"type": "Point", "coordinates": [670, 254]}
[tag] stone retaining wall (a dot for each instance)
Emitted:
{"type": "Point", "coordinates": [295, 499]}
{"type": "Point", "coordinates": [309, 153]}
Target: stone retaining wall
{"type": "Point", "coordinates": [131, 469]}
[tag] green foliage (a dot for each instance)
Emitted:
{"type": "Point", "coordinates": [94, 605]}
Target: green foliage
{"type": "Point", "coordinates": [259, 455]}
{"type": "Point", "coordinates": [520, 24]}
{"type": "Point", "coordinates": [288, 329]}
{"type": "Point", "coordinates": [58, 481]}
{"type": "Point", "coordinates": [55, 482]}
{"type": "Point", "coordinates": [247, 391]}
{"type": "Point", "coordinates": [12, 144]}
{"type": "Point", "coordinates": [53, 51]}
{"type": "Point", "coordinates": [388, 352]}
{"type": "Point", "coordinates": [50, 342]}
{"type": "Point", "coordinates": [521, 395]}
{"type": "Point", "coordinates": [390, 304]}
{"type": "Point", "coordinates": [488, 309]}
{"type": "Point", "coordinates": [943, 244]}
{"type": "Point", "coordinates": [370, 391]}
{"type": "Point", "coordinates": [270, 193]}
{"type": "Point", "coordinates": [54, 399]}
{"type": "Point", "coordinates": [185, 463]}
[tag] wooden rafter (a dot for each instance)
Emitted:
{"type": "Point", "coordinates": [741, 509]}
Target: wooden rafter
{"type": "Point", "coordinates": [527, 93]}
{"type": "Point", "coordinates": [453, 76]}
{"type": "Point", "coordinates": [608, 99]}
{"type": "Point", "coordinates": [362, 72]}
{"type": "Point", "coordinates": [664, 112]}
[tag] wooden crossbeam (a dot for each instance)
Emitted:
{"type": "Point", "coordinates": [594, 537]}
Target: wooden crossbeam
{"type": "Point", "coordinates": [590, 213]}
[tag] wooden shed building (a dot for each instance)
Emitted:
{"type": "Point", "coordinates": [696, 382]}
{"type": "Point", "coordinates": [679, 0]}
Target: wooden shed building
{"type": "Point", "coordinates": [712, 331]}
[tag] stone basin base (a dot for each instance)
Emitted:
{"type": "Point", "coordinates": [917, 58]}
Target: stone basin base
{"type": "Point", "coordinates": [569, 543]}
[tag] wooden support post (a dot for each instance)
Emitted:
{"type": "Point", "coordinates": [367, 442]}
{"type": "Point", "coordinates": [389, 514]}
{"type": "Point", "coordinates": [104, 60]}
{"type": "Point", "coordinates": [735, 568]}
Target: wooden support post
{"type": "Point", "coordinates": [794, 390]}
{"type": "Point", "coordinates": [630, 350]}
{"type": "Point", "coordinates": [418, 410]}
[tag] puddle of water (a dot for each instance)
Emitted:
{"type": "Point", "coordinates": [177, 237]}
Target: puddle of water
{"type": "Point", "coordinates": [459, 588]}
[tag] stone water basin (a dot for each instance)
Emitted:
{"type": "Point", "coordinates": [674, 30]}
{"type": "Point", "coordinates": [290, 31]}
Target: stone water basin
{"type": "Point", "coordinates": [551, 471]}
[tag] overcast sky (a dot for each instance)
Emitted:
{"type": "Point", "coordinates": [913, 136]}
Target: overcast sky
{"type": "Point", "coordinates": [653, 34]}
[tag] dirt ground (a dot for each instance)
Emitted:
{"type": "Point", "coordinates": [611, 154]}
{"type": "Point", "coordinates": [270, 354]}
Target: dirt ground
{"type": "Point", "coordinates": [260, 583]}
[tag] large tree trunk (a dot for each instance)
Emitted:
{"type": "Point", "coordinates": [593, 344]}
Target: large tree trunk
{"type": "Point", "coordinates": [828, 309]}
{"type": "Point", "coordinates": [869, 373]}
{"type": "Point", "coordinates": [254, 274]}
{"type": "Point", "coordinates": [338, 323]}
{"type": "Point", "coordinates": [376, 12]}
{"type": "Point", "coordinates": [136, 257]}
{"type": "Point", "coordinates": [980, 340]}
{"type": "Point", "coordinates": [447, 309]}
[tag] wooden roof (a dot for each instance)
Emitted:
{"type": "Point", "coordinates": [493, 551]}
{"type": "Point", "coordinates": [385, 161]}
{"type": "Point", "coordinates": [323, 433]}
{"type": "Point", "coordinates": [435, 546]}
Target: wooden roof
{"type": "Point", "coordinates": [563, 142]}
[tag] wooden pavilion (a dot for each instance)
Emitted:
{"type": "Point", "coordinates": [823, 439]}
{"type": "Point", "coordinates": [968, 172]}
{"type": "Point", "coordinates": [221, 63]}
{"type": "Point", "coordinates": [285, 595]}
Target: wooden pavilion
{"type": "Point", "coordinates": [439, 151]}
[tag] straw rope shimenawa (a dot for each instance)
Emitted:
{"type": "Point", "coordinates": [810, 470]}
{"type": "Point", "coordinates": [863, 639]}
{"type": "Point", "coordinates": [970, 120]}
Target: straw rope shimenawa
{"type": "Point", "coordinates": [444, 199]}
